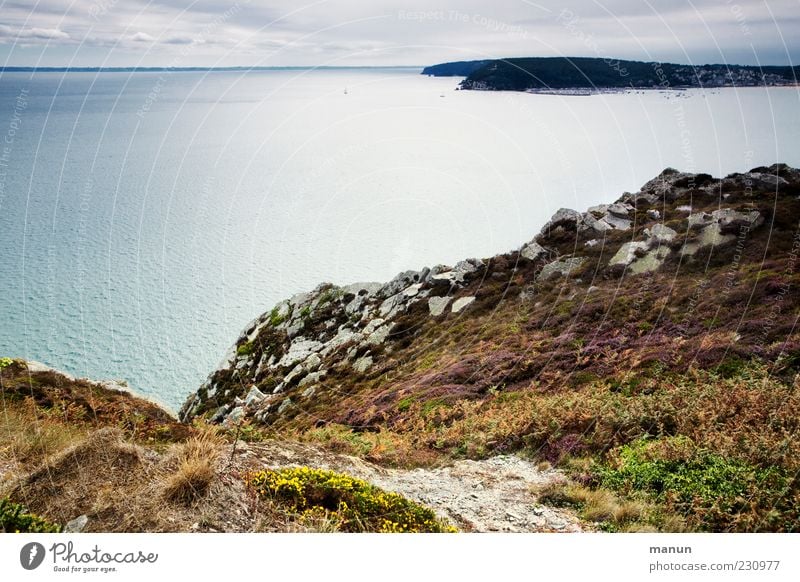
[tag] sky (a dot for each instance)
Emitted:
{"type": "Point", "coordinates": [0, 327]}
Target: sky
{"type": "Point", "coordinates": [124, 33]}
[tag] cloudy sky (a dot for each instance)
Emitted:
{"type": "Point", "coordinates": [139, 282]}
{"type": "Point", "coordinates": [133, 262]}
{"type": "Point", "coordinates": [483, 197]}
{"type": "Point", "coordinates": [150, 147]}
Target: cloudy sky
{"type": "Point", "coordinates": [392, 32]}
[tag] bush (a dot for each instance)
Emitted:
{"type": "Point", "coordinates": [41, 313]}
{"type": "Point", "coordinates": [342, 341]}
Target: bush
{"type": "Point", "coordinates": [355, 505]}
{"type": "Point", "coordinates": [14, 518]}
{"type": "Point", "coordinates": [196, 470]}
{"type": "Point", "coordinates": [713, 492]}
{"type": "Point", "coordinates": [5, 362]}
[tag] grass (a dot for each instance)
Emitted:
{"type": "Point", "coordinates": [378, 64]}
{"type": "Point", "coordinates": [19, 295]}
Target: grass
{"type": "Point", "coordinates": [196, 470]}
{"type": "Point", "coordinates": [338, 502]}
{"type": "Point", "coordinates": [599, 506]}
{"type": "Point", "coordinates": [31, 436]}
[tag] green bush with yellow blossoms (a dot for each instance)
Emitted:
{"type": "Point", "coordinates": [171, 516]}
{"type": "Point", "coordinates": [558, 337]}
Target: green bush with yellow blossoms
{"type": "Point", "coordinates": [15, 518]}
{"type": "Point", "coordinates": [352, 504]}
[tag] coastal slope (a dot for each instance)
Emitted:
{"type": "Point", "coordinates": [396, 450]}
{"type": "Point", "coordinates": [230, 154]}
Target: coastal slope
{"type": "Point", "coordinates": [656, 329]}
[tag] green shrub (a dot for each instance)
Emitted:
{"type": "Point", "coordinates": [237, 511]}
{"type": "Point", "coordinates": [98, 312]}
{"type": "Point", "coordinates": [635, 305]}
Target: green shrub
{"type": "Point", "coordinates": [5, 362]}
{"type": "Point", "coordinates": [245, 349]}
{"type": "Point", "coordinates": [275, 319]}
{"type": "Point", "coordinates": [355, 505]}
{"type": "Point", "coordinates": [713, 492]}
{"type": "Point", "coordinates": [14, 518]}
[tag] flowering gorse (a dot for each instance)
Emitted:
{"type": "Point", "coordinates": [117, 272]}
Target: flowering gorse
{"type": "Point", "coordinates": [354, 505]}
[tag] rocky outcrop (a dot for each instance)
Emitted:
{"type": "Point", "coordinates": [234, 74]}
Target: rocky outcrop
{"type": "Point", "coordinates": [308, 344]}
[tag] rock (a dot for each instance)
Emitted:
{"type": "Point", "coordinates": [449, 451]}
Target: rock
{"type": "Point", "coordinates": [401, 281]}
{"type": "Point", "coordinates": [284, 405]}
{"type": "Point", "coordinates": [532, 251]}
{"type": "Point", "coordinates": [362, 364]}
{"type": "Point", "coordinates": [562, 268]}
{"type": "Point", "coordinates": [654, 214]}
{"type": "Point", "coordinates": [235, 415]}
{"type": "Point", "coordinates": [309, 392]}
{"type": "Point", "coordinates": [461, 303]}
{"type": "Point", "coordinates": [699, 220]}
{"type": "Point", "coordinates": [76, 525]}
{"type": "Point", "coordinates": [591, 243]}
{"type": "Point", "coordinates": [297, 371]}
{"type": "Point", "coordinates": [598, 211]}
{"type": "Point", "coordinates": [617, 222]}
{"type": "Point", "coordinates": [710, 235]}
{"type": "Point", "coordinates": [255, 395]}
{"type": "Point", "coordinates": [731, 220]}
{"type": "Point", "coordinates": [660, 234]}
{"type": "Point", "coordinates": [466, 267]}
{"type": "Point", "coordinates": [363, 289]}
{"type": "Point", "coordinates": [594, 224]}
{"type": "Point", "coordinates": [619, 210]}
{"type": "Point", "coordinates": [294, 328]}
{"type": "Point", "coordinates": [392, 306]}
{"type": "Point", "coordinates": [663, 185]}
{"type": "Point", "coordinates": [412, 290]}
{"type": "Point", "coordinates": [220, 413]}
{"type": "Point", "coordinates": [437, 305]}
{"type": "Point", "coordinates": [312, 378]}
{"type": "Point", "coordinates": [564, 218]}
{"type": "Point", "coordinates": [684, 208]}
{"type": "Point", "coordinates": [342, 337]}
{"type": "Point", "coordinates": [379, 336]}
{"type": "Point", "coordinates": [627, 253]}
{"type": "Point", "coordinates": [299, 350]}
{"type": "Point", "coordinates": [651, 261]}
{"type": "Point", "coordinates": [312, 362]}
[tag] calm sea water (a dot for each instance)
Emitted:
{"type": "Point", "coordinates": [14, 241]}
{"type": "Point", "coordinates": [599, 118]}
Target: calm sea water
{"type": "Point", "coordinates": [146, 218]}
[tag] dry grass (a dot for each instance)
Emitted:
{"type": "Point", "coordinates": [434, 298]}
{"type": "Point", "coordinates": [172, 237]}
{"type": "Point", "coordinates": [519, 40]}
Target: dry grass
{"type": "Point", "coordinates": [196, 467]}
{"type": "Point", "coordinates": [597, 505]}
{"type": "Point", "coordinates": [30, 437]}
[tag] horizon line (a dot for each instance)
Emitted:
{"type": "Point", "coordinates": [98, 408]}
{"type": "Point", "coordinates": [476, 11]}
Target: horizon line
{"type": "Point", "coordinates": [134, 69]}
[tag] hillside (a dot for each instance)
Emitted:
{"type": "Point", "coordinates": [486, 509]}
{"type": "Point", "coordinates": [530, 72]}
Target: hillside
{"type": "Point", "coordinates": [545, 73]}
{"type": "Point", "coordinates": [78, 455]}
{"type": "Point", "coordinates": [648, 347]}
{"type": "Point", "coordinates": [454, 69]}
{"type": "Point", "coordinates": [633, 367]}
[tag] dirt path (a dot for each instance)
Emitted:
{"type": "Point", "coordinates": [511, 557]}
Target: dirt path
{"type": "Point", "coordinates": [488, 495]}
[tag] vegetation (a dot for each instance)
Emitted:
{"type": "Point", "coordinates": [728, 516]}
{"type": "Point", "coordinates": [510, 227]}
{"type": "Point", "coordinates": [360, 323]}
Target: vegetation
{"type": "Point", "coordinates": [519, 74]}
{"type": "Point", "coordinates": [351, 504]}
{"type": "Point", "coordinates": [14, 518]}
{"type": "Point", "coordinates": [197, 459]}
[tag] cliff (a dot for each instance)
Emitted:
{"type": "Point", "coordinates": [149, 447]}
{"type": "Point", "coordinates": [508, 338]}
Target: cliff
{"type": "Point", "coordinates": [664, 319]}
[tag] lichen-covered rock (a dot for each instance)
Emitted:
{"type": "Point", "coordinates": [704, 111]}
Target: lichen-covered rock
{"type": "Point", "coordinates": [437, 305]}
{"type": "Point", "coordinates": [461, 303]}
{"type": "Point", "coordinates": [533, 251]}
{"type": "Point", "coordinates": [660, 234]}
{"type": "Point", "coordinates": [561, 268]}
{"type": "Point", "coordinates": [628, 253]}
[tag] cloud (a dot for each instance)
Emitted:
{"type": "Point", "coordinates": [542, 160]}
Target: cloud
{"type": "Point", "coordinates": [246, 32]}
{"type": "Point", "coordinates": [142, 37]}
{"type": "Point", "coordinates": [26, 35]}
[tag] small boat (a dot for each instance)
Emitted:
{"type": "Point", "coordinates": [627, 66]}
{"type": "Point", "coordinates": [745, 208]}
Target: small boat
{"type": "Point", "coordinates": [345, 90]}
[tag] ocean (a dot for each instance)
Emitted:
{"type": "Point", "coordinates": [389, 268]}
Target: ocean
{"type": "Point", "coordinates": [145, 218]}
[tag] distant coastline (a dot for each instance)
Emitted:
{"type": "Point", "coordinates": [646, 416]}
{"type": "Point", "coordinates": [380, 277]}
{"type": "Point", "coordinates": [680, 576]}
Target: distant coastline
{"type": "Point", "coordinates": [566, 73]}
